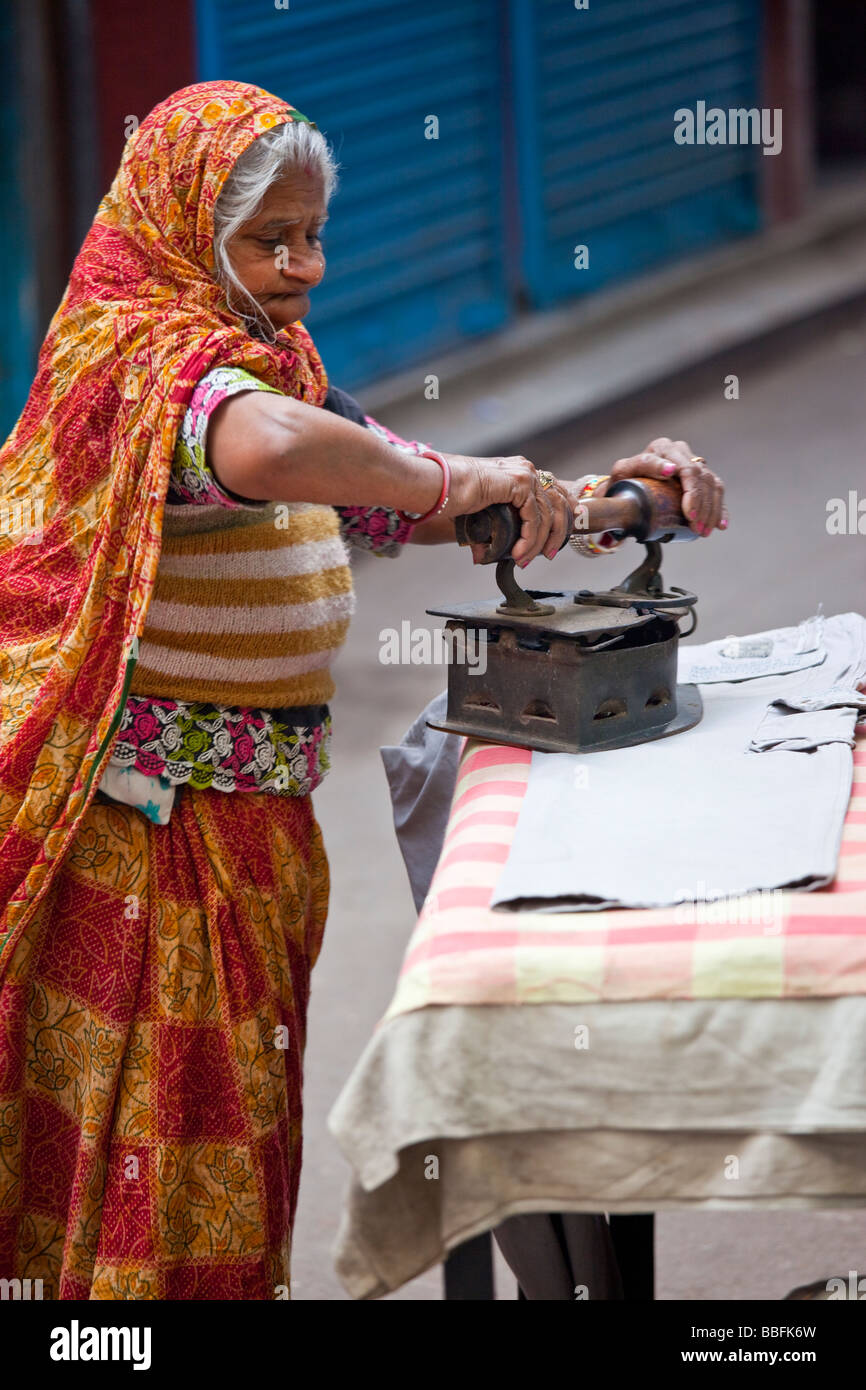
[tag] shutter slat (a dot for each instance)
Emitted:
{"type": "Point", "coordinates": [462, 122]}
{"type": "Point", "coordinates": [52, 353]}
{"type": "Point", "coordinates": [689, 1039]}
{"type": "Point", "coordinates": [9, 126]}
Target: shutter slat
{"type": "Point", "coordinates": [598, 163]}
{"type": "Point", "coordinates": [626, 113]}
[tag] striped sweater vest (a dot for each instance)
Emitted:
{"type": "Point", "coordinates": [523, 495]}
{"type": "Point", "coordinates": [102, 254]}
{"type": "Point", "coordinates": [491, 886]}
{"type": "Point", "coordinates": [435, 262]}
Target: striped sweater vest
{"type": "Point", "coordinates": [249, 607]}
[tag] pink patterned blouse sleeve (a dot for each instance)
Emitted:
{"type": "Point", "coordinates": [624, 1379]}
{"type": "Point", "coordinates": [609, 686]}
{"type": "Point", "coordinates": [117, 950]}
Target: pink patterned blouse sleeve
{"type": "Point", "coordinates": [376, 529]}
{"type": "Point", "coordinates": [191, 477]}
{"type": "Point", "coordinates": [379, 529]}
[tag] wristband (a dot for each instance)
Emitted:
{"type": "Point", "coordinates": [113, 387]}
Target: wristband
{"type": "Point", "coordinates": [416, 518]}
{"type": "Point", "coordinates": [584, 544]}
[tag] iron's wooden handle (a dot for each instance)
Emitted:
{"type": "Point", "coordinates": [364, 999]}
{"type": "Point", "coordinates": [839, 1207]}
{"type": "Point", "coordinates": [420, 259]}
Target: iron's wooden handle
{"type": "Point", "coordinates": [647, 509]}
{"type": "Point", "coordinates": [497, 527]}
{"type": "Point", "coordinates": [660, 512]}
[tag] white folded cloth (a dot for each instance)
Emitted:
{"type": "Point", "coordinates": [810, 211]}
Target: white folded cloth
{"type": "Point", "coordinates": [699, 815]}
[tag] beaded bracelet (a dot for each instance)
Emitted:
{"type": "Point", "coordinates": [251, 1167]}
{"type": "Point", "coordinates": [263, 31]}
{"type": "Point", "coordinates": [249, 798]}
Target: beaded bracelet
{"type": "Point", "coordinates": [417, 518]}
{"type": "Point", "coordinates": [606, 541]}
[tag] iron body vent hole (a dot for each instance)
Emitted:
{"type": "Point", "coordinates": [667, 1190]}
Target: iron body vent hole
{"type": "Point", "coordinates": [662, 696]}
{"type": "Point", "coordinates": [482, 700]}
{"type": "Point", "coordinates": [610, 709]}
{"type": "Point", "coordinates": [538, 709]}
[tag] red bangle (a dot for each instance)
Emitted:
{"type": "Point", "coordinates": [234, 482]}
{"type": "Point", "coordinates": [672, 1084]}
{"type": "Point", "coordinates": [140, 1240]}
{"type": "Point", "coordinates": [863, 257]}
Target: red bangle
{"type": "Point", "coordinates": [441, 502]}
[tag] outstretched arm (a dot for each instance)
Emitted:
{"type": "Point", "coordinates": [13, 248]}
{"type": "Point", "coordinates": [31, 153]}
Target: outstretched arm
{"type": "Point", "coordinates": [269, 447]}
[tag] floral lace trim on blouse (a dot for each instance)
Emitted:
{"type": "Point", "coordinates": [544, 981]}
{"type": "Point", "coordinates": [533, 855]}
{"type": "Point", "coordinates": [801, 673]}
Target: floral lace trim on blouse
{"type": "Point", "coordinates": [229, 750]}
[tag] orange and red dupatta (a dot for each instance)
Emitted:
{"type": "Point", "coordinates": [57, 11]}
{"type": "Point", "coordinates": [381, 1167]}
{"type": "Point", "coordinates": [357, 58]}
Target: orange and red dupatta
{"type": "Point", "coordinates": [142, 319]}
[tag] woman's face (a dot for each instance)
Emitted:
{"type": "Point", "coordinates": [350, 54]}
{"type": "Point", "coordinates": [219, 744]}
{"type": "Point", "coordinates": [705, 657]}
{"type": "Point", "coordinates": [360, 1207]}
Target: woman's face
{"type": "Point", "coordinates": [277, 255]}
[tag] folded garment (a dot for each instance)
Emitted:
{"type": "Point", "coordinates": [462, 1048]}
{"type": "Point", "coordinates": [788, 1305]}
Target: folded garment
{"type": "Point", "coordinates": [808, 722]}
{"type": "Point", "coordinates": [772, 653]}
{"type": "Point", "coordinates": [698, 816]}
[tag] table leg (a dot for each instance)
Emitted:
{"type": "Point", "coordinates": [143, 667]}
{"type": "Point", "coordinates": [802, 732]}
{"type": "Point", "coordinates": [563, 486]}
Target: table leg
{"type": "Point", "coordinates": [633, 1240]}
{"type": "Point", "coordinates": [468, 1270]}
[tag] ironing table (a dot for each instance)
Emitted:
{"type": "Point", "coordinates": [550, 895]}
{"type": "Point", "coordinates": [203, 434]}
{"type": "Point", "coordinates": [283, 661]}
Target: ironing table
{"type": "Point", "coordinates": [534, 1070]}
{"type": "Point", "coordinates": [477, 1100]}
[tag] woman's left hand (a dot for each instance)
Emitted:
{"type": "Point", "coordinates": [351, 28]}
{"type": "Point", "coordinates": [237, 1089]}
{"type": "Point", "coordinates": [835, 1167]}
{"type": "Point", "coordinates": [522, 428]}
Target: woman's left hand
{"type": "Point", "coordinates": [703, 492]}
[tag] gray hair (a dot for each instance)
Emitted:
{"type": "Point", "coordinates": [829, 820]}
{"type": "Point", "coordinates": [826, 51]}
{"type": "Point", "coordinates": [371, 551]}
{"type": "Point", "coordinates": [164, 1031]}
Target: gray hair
{"type": "Point", "coordinates": [293, 146]}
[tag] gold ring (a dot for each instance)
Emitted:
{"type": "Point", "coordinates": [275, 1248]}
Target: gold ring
{"type": "Point", "coordinates": [546, 479]}
{"type": "Point", "coordinates": [697, 458]}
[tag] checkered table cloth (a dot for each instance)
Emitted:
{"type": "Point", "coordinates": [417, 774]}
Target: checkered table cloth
{"type": "Point", "coordinates": [461, 952]}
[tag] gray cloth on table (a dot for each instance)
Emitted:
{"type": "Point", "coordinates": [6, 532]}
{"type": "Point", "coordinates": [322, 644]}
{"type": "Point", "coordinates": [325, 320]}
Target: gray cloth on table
{"type": "Point", "coordinates": [702, 815]}
{"type": "Point", "coordinates": [421, 772]}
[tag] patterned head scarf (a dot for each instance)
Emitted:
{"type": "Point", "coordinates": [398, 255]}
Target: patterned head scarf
{"type": "Point", "coordinates": [142, 320]}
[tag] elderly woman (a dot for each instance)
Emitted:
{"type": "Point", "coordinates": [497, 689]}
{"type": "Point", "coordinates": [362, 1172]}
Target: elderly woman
{"type": "Point", "coordinates": [164, 672]}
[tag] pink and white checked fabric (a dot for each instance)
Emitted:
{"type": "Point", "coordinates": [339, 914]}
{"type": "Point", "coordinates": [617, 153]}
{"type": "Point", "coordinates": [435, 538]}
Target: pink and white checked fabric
{"type": "Point", "coordinates": [461, 952]}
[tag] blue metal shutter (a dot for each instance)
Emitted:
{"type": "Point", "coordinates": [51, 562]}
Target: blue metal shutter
{"type": "Point", "coordinates": [414, 244]}
{"type": "Point", "coordinates": [17, 303]}
{"type": "Point", "coordinates": [596, 91]}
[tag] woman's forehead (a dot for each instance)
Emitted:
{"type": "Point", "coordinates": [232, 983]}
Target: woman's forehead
{"type": "Point", "coordinates": [291, 198]}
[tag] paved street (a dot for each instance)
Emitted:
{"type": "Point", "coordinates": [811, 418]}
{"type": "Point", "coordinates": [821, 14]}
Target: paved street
{"type": "Point", "coordinates": [793, 440]}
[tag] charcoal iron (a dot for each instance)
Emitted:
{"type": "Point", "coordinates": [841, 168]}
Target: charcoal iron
{"type": "Point", "coordinates": [578, 671]}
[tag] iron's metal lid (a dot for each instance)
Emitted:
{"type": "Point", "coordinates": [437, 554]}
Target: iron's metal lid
{"type": "Point", "coordinates": [569, 619]}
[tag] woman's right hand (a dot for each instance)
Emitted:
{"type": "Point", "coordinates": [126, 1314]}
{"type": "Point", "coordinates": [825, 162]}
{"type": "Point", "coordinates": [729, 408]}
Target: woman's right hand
{"type": "Point", "coordinates": [545, 514]}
